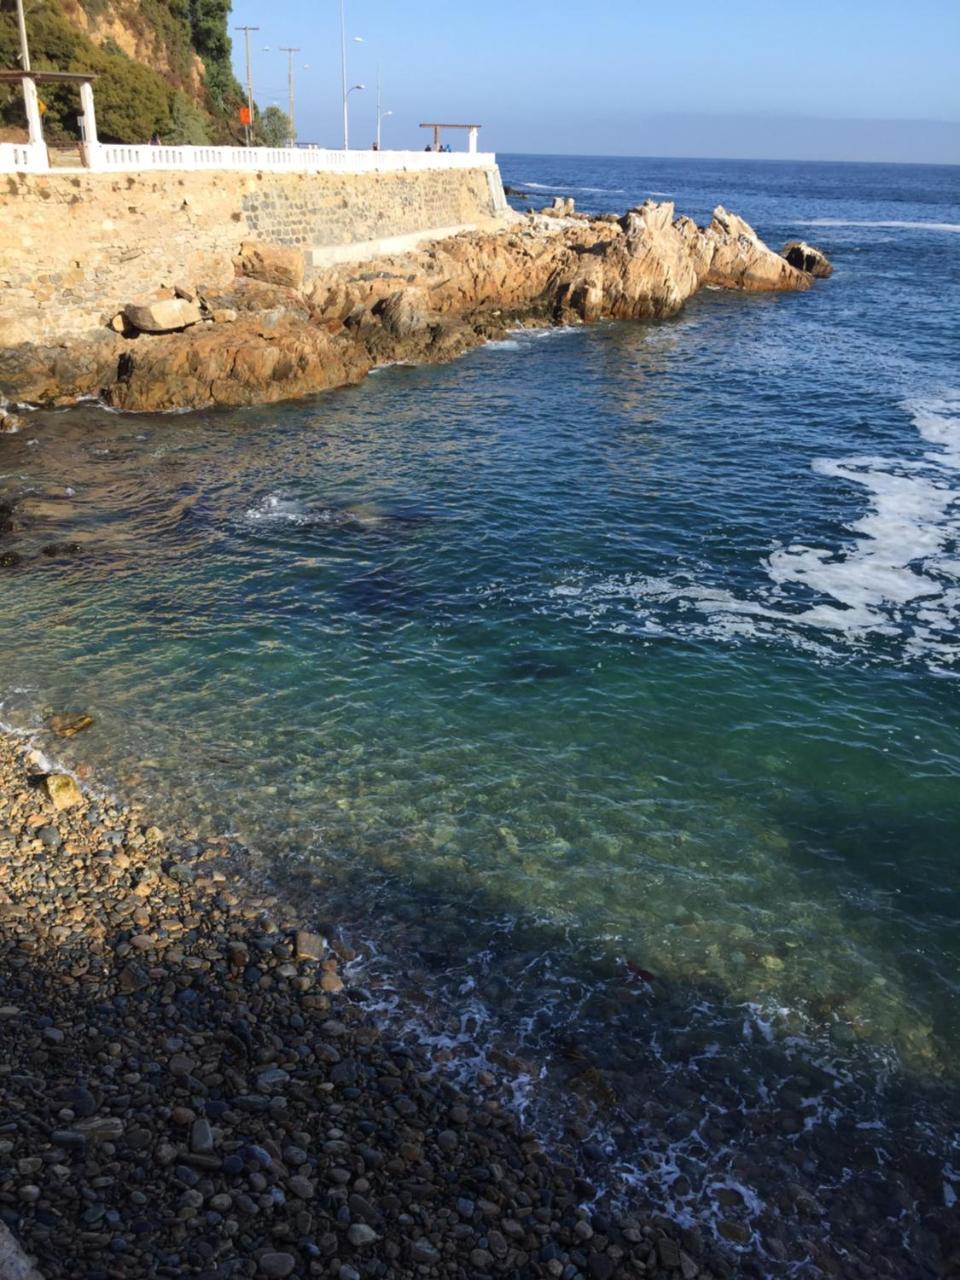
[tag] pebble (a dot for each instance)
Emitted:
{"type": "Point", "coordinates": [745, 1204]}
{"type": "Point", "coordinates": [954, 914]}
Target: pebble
{"type": "Point", "coordinates": [360, 1234]}
{"type": "Point", "coordinates": [210, 1099]}
{"type": "Point", "coordinates": [277, 1265]}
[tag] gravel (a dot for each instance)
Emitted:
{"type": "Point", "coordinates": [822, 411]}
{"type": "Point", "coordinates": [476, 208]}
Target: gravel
{"type": "Point", "coordinates": [190, 1086]}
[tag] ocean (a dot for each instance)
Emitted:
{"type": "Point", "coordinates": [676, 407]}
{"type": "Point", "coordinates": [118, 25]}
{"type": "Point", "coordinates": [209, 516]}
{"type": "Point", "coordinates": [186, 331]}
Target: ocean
{"type": "Point", "coordinates": [604, 683]}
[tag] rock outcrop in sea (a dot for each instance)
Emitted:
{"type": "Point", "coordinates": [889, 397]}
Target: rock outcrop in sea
{"type": "Point", "coordinates": [270, 337]}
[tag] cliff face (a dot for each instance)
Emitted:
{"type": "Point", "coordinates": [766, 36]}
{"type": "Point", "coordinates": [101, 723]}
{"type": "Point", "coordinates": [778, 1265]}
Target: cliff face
{"type": "Point", "coordinates": [143, 35]}
{"type": "Point", "coordinates": [163, 67]}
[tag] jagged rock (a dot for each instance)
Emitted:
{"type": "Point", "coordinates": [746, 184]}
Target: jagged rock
{"type": "Point", "coordinates": [805, 257]}
{"type": "Point", "coordinates": [740, 260]}
{"type": "Point", "coordinates": [162, 315]}
{"type": "Point", "coordinates": [431, 303]}
{"type": "Point", "coordinates": [9, 423]}
{"type": "Point", "coordinates": [403, 313]}
{"type": "Point", "coordinates": [271, 263]}
{"type": "Point", "coordinates": [223, 315]}
{"type": "Point", "coordinates": [246, 362]}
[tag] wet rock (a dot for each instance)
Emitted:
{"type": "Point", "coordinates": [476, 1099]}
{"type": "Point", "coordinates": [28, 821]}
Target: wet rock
{"type": "Point", "coordinates": [68, 726]}
{"type": "Point", "coordinates": [63, 790]}
{"type": "Point", "coordinates": [309, 946]}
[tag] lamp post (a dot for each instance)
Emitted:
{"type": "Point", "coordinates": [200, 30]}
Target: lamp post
{"type": "Point", "coordinates": [293, 127]}
{"type": "Point", "coordinates": [343, 76]}
{"type": "Point", "coordinates": [346, 96]}
{"type": "Point", "coordinates": [381, 114]}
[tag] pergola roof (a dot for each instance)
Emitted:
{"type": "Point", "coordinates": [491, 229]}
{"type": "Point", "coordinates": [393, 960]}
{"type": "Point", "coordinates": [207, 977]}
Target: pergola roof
{"type": "Point", "coordinates": [435, 125]}
{"type": "Point", "coordinates": [61, 77]}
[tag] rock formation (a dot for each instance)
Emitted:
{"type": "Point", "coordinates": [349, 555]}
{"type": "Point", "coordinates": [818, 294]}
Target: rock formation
{"type": "Point", "coordinates": [266, 338]}
{"type": "Point", "coordinates": [805, 257]}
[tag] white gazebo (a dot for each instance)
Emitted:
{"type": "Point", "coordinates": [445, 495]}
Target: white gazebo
{"type": "Point", "coordinates": [473, 132]}
{"type": "Point", "coordinates": [31, 101]}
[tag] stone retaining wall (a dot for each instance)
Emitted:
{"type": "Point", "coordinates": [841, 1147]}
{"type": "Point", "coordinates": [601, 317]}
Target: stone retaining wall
{"type": "Point", "coordinates": [75, 247]}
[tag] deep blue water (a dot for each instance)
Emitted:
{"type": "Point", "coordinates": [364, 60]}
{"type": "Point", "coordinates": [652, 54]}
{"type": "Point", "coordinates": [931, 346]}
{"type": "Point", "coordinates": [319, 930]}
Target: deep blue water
{"type": "Point", "coordinates": [599, 651]}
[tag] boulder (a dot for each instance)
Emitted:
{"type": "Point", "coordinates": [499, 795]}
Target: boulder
{"type": "Point", "coordinates": [271, 263]}
{"type": "Point", "coordinates": [63, 790]}
{"type": "Point", "coordinates": [9, 423]}
{"type": "Point", "coordinates": [14, 1263]}
{"type": "Point", "coordinates": [161, 315]}
{"type": "Point", "coordinates": [805, 257]}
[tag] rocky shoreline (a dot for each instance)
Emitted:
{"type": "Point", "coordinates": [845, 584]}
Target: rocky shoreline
{"type": "Point", "coordinates": [271, 335]}
{"type": "Point", "coordinates": [191, 1085]}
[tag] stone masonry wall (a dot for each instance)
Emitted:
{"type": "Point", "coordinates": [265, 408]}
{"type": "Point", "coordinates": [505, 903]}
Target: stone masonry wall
{"type": "Point", "coordinates": [74, 248]}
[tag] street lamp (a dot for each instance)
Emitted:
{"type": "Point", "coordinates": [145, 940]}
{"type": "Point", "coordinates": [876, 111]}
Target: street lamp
{"type": "Point", "coordinates": [381, 115]}
{"type": "Point", "coordinates": [343, 76]}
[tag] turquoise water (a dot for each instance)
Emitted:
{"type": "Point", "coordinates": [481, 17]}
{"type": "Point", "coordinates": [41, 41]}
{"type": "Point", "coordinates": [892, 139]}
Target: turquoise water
{"type": "Point", "coordinates": [605, 680]}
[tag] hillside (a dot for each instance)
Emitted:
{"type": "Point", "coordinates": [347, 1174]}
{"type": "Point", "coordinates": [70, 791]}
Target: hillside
{"type": "Point", "coordinates": [163, 67]}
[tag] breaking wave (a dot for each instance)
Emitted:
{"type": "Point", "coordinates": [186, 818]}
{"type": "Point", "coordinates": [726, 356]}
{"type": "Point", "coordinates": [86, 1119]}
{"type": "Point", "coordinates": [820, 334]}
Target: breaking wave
{"type": "Point", "coordinates": [891, 223]}
{"type": "Point", "coordinates": [895, 586]}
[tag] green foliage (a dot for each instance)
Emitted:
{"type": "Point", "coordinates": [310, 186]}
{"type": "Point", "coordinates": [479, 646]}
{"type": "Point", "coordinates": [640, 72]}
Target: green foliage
{"type": "Point", "coordinates": [133, 101]}
{"type": "Point", "coordinates": [188, 125]}
{"type": "Point", "coordinates": [273, 128]}
{"type": "Point", "coordinates": [208, 23]}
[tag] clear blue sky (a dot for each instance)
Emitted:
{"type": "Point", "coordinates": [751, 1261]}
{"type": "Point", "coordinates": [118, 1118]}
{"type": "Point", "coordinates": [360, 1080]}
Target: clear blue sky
{"type": "Point", "coordinates": [843, 79]}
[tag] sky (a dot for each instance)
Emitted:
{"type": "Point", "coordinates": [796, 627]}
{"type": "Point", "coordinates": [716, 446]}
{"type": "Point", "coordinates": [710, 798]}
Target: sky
{"type": "Point", "coordinates": [844, 80]}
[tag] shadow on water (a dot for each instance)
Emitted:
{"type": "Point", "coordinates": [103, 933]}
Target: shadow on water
{"type": "Point", "coordinates": [780, 1137]}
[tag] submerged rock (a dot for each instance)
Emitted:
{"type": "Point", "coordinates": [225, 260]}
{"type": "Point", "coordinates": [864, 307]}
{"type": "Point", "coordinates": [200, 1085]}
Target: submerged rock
{"type": "Point", "coordinates": [68, 726]}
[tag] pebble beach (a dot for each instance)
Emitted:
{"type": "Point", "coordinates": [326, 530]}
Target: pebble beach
{"type": "Point", "coordinates": [189, 1086]}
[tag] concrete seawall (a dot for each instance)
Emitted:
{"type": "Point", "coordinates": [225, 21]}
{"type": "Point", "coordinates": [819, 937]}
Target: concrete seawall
{"type": "Point", "coordinates": [74, 248]}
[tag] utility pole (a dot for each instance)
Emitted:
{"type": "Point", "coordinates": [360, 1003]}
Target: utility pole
{"type": "Point", "coordinates": [293, 126]}
{"type": "Point", "coordinates": [246, 32]}
{"type": "Point", "coordinates": [24, 47]}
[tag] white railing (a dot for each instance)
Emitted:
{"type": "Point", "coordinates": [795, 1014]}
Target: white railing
{"type": "Point", "coordinates": [114, 157]}
{"type": "Point", "coordinates": [23, 157]}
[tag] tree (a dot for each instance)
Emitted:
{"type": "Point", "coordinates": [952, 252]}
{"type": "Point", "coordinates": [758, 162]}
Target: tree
{"type": "Point", "coordinates": [187, 123]}
{"type": "Point", "coordinates": [273, 128]}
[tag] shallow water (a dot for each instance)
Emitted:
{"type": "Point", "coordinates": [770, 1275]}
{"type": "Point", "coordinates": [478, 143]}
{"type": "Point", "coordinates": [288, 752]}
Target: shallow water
{"type": "Point", "coordinates": [606, 678]}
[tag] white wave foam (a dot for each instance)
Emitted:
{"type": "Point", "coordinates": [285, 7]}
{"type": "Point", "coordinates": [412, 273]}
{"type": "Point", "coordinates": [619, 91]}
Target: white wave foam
{"type": "Point", "coordinates": [274, 507]}
{"type": "Point", "coordinates": [891, 223]}
{"type": "Point", "coordinates": [897, 580]}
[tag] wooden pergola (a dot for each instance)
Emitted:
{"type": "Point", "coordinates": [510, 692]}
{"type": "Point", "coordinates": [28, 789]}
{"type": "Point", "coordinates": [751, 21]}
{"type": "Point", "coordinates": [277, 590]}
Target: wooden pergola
{"type": "Point", "coordinates": [29, 81]}
{"type": "Point", "coordinates": [473, 129]}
